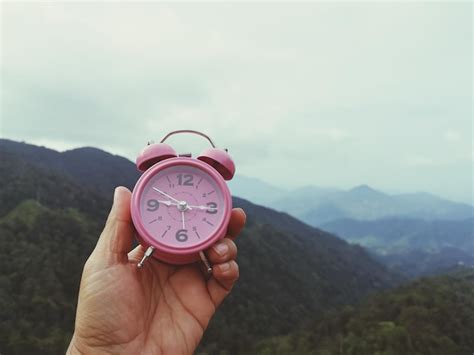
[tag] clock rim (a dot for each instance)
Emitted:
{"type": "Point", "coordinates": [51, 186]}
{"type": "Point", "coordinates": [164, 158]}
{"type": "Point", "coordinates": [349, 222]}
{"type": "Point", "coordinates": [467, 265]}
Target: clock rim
{"type": "Point", "coordinates": [145, 237]}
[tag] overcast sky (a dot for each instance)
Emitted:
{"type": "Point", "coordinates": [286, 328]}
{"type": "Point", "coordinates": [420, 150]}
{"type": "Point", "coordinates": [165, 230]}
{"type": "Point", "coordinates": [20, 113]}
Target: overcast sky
{"type": "Point", "coordinates": [327, 94]}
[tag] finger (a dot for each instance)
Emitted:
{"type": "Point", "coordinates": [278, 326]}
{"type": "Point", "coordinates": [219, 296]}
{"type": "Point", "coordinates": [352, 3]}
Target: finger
{"type": "Point", "coordinates": [237, 222]}
{"type": "Point", "coordinates": [222, 251]}
{"type": "Point", "coordinates": [116, 239]}
{"type": "Point", "coordinates": [224, 277]}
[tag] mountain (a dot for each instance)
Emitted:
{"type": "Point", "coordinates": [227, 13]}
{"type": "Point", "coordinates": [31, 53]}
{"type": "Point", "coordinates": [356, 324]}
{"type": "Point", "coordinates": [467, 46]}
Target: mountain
{"type": "Point", "coordinates": [50, 219]}
{"type": "Point", "coordinates": [415, 263]}
{"type": "Point", "coordinates": [311, 204]}
{"type": "Point", "coordinates": [102, 171]}
{"type": "Point", "coordinates": [430, 316]}
{"type": "Point", "coordinates": [365, 203]}
{"type": "Point", "coordinates": [413, 247]}
{"type": "Point", "coordinates": [255, 190]}
{"type": "Point", "coordinates": [88, 166]}
{"type": "Point", "coordinates": [390, 235]}
{"type": "Point", "coordinates": [309, 198]}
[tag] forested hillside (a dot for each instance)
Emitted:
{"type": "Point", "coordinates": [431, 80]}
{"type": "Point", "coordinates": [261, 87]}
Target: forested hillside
{"type": "Point", "coordinates": [49, 223]}
{"type": "Point", "coordinates": [429, 316]}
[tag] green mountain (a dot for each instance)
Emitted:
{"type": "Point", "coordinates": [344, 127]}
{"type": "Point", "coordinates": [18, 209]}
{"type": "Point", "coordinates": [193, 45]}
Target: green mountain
{"type": "Point", "coordinates": [49, 222]}
{"type": "Point", "coordinates": [42, 251]}
{"type": "Point", "coordinates": [313, 205]}
{"type": "Point", "coordinates": [91, 167]}
{"type": "Point", "coordinates": [430, 316]}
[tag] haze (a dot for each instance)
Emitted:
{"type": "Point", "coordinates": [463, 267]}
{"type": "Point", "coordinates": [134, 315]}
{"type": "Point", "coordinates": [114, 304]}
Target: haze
{"type": "Point", "coordinates": [328, 94]}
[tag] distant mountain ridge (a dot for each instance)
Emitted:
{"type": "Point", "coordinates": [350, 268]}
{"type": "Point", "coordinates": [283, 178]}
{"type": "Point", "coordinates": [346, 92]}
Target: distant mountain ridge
{"type": "Point", "coordinates": [396, 221]}
{"type": "Point", "coordinates": [413, 247]}
{"type": "Point", "coordinates": [366, 203]}
{"type": "Point", "coordinates": [418, 262]}
{"type": "Point", "coordinates": [255, 190]}
{"type": "Point", "coordinates": [400, 234]}
{"type": "Point", "coordinates": [320, 205]}
{"type": "Point", "coordinates": [311, 204]}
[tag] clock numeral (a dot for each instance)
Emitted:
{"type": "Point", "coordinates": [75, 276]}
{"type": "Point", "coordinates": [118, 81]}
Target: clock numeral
{"type": "Point", "coordinates": [212, 208]}
{"type": "Point", "coordinates": [181, 235]}
{"type": "Point", "coordinates": [185, 179]}
{"type": "Point", "coordinates": [153, 205]}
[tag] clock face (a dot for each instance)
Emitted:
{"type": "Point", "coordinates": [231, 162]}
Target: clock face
{"type": "Point", "coordinates": [181, 206]}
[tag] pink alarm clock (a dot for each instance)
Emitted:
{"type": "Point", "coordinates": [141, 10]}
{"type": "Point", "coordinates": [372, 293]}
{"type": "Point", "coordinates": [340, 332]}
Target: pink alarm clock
{"type": "Point", "coordinates": [180, 205]}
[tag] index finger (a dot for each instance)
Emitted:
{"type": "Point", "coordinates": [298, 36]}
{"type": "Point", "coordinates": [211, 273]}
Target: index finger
{"type": "Point", "coordinates": [237, 222]}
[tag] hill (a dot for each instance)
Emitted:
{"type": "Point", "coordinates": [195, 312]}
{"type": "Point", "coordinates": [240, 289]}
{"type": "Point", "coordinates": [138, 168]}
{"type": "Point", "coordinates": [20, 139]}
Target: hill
{"type": "Point", "coordinates": [317, 206]}
{"type": "Point", "coordinates": [429, 316]}
{"type": "Point", "coordinates": [413, 247]}
{"type": "Point", "coordinates": [390, 235]}
{"type": "Point", "coordinates": [49, 224]}
{"type": "Point", "coordinates": [89, 167]}
{"type": "Point", "coordinates": [416, 263]}
{"type": "Point", "coordinates": [313, 205]}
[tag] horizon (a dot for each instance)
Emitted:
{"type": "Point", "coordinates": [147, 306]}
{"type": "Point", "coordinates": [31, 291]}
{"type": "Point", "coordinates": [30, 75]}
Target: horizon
{"type": "Point", "coordinates": [260, 180]}
{"type": "Point", "coordinates": [303, 94]}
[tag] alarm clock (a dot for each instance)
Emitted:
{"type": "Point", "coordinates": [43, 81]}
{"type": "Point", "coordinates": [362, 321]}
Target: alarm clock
{"type": "Point", "coordinates": [181, 205]}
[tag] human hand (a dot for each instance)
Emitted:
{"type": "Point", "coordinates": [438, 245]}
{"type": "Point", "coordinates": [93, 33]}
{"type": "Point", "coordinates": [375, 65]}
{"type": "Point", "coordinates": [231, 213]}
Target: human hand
{"type": "Point", "coordinates": [158, 309]}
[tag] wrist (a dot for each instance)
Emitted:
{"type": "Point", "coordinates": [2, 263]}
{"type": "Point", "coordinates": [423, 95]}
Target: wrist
{"type": "Point", "coordinates": [73, 348]}
{"type": "Point", "coordinates": [79, 347]}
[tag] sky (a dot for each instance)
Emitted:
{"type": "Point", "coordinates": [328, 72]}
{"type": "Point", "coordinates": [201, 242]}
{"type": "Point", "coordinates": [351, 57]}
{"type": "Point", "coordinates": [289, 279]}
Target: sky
{"type": "Point", "coordinates": [332, 94]}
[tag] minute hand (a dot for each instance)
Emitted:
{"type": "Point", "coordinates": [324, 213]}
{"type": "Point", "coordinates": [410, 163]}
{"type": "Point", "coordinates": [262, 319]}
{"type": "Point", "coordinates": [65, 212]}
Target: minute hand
{"type": "Point", "coordinates": [165, 194]}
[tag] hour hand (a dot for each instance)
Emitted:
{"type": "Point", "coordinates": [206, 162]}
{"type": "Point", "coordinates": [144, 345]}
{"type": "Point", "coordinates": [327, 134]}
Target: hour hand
{"type": "Point", "coordinates": [171, 203]}
{"type": "Point", "coordinates": [207, 208]}
{"type": "Point", "coordinates": [167, 203]}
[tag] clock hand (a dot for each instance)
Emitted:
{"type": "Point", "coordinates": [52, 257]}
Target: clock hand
{"type": "Point", "coordinates": [182, 218]}
{"type": "Point", "coordinates": [204, 208]}
{"type": "Point", "coordinates": [165, 194]}
{"type": "Point", "coordinates": [167, 203]}
{"type": "Point", "coordinates": [170, 203]}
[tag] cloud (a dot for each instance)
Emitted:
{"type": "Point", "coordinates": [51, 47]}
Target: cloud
{"type": "Point", "coordinates": [336, 93]}
{"type": "Point", "coordinates": [452, 136]}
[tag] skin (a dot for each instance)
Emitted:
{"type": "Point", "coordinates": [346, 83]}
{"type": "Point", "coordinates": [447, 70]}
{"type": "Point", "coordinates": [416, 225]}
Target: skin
{"type": "Point", "coordinates": [159, 309]}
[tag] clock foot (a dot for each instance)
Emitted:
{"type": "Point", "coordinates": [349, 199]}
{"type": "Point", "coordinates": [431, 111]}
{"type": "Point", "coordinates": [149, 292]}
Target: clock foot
{"type": "Point", "coordinates": [148, 253]}
{"type": "Point", "coordinates": [205, 262]}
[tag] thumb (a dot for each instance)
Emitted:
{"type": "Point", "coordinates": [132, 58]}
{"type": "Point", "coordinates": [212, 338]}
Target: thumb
{"type": "Point", "coordinates": [116, 239]}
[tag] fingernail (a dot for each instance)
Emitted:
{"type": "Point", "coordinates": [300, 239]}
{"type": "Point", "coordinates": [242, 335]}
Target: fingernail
{"type": "Point", "coordinates": [221, 249]}
{"type": "Point", "coordinates": [117, 194]}
{"type": "Point", "coordinates": [243, 212]}
{"type": "Point", "coordinates": [224, 267]}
